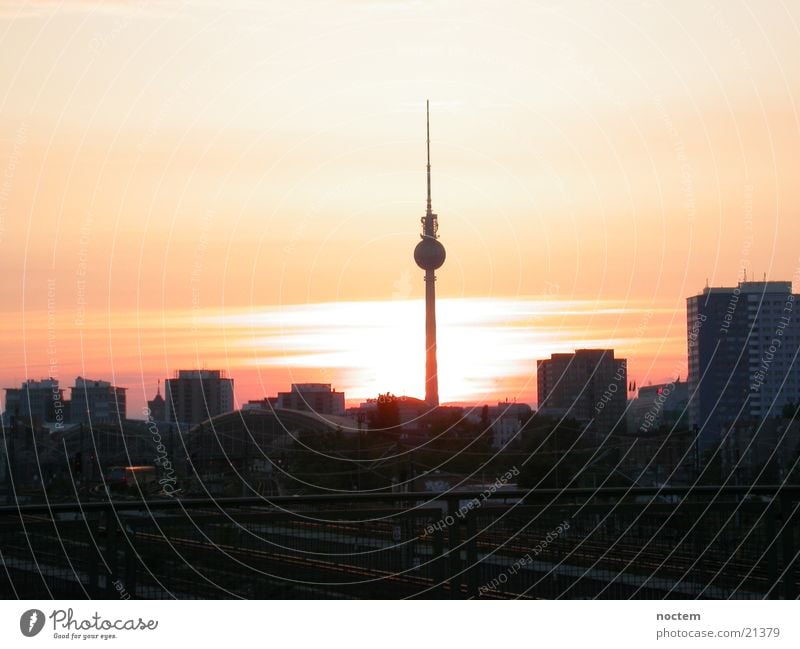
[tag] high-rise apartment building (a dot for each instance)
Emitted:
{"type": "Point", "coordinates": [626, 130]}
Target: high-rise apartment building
{"type": "Point", "coordinates": [193, 396]}
{"type": "Point", "coordinates": [97, 402]}
{"type": "Point", "coordinates": [589, 385]}
{"type": "Point", "coordinates": [743, 355]}
{"type": "Point", "coordinates": [42, 401]}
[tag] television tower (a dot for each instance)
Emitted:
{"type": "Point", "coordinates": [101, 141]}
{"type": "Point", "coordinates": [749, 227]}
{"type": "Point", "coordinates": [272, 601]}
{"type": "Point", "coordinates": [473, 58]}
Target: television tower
{"type": "Point", "coordinates": [429, 255]}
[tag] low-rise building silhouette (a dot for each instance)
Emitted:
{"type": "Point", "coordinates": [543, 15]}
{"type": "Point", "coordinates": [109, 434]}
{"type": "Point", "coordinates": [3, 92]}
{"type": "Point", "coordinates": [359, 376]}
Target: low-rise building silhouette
{"type": "Point", "coordinates": [506, 421]}
{"type": "Point", "coordinates": [664, 405]}
{"type": "Point", "coordinates": [312, 397]}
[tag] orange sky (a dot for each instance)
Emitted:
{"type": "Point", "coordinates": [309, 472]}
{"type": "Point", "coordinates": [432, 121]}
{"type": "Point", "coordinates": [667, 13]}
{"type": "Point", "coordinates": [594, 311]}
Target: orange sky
{"type": "Point", "coordinates": [241, 186]}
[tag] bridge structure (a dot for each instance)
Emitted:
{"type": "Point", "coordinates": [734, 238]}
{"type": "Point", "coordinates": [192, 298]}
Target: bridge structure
{"type": "Point", "coordinates": [614, 543]}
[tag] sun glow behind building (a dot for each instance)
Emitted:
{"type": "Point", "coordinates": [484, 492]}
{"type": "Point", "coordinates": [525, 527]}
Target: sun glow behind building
{"type": "Point", "coordinates": [488, 349]}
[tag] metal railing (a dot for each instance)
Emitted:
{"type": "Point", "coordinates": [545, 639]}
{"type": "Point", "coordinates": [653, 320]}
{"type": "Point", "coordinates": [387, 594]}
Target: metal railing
{"type": "Point", "coordinates": [701, 542]}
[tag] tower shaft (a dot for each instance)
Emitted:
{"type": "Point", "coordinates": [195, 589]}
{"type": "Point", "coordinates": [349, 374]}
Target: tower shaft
{"type": "Point", "coordinates": [431, 366]}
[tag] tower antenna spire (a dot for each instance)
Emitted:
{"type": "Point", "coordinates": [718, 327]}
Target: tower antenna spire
{"type": "Point", "coordinates": [428, 130]}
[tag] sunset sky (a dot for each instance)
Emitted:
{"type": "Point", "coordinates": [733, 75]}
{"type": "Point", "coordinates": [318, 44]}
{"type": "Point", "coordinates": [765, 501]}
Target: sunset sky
{"type": "Point", "coordinates": [239, 185]}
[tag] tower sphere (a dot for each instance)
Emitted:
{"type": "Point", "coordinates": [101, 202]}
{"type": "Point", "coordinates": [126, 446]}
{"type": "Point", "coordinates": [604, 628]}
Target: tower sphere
{"type": "Point", "coordinates": [429, 253]}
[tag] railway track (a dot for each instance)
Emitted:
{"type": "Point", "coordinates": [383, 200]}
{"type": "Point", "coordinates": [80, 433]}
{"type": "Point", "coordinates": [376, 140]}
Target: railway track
{"type": "Point", "coordinates": [391, 555]}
